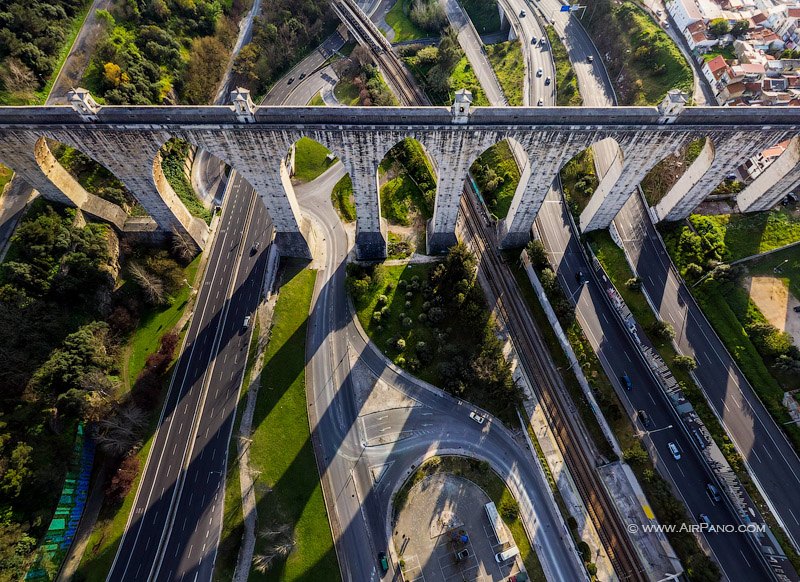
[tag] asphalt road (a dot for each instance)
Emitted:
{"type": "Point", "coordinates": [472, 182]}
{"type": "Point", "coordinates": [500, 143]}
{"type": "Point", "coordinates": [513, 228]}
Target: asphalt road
{"type": "Point", "coordinates": [175, 523]}
{"type": "Point", "coordinates": [619, 356]}
{"type": "Point", "coordinates": [359, 504]}
{"type": "Point", "coordinates": [771, 460]}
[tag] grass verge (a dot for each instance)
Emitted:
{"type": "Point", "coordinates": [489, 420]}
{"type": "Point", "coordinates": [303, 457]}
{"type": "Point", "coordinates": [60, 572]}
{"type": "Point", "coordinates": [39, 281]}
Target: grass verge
{"type": "Point", "coordinates": [463, 77]}
{"type": "Point", "coordinates": [481, 474]}
{"type": "Point", "coordinates": [342, 199]}
{"type": "Point", "coordinates": [288, 489]}
{"type": "Point", "coordinates": [311, 159]}
{"type": "Point", "coordinates": [509, 66]}
{"type": "Point", "coordinates": [567, 91]}
{"type": "Point", "coordinates": [751, 234]}
{"type": "Point", "coordinates": [5, 177]}
{"type": "Point", "coordinates": [316, 101]}
{"type": "Point", "coordinates": [398, 19]}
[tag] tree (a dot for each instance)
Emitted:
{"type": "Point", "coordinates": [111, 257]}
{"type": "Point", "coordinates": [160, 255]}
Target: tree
{"type": "Point", "coordinates": [687, 363]}
{"type": "Point", "coordinates": [122, 480]}
{"type": "Point", "coordinates": [662, 331]}
{"type": "Point", "coordinates": [719, 27]}
{"type": "Point", "coordinates": [151, 286]}
{"type": "Point", "coordinates": [183, 246]}
{"type": "Point", "coordinates": [537, 254]}
{"type": "Point", "coordinates": [740, 27]}
{"type": "Point", "coordinates": [113, 75]}
{"type": "Point", "coordinates": [278, 542]}
{"type": "Point", "coordinates": [207, 62]}
{"type": "Point", "coordinates": [17, 77]}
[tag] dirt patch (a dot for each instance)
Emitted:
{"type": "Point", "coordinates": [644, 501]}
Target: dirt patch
{"type": "Point", "coordinates": [771, 295]}
{"type": "Point", "coordinates": [373, 394]}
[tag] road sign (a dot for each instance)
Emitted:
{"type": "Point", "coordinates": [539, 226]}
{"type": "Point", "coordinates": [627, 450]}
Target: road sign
{"type": "Point", "coordinates": [565, 9]}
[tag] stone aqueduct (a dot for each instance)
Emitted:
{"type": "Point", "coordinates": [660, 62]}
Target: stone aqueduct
{"type": "Point", "coordinates": [254, 141]}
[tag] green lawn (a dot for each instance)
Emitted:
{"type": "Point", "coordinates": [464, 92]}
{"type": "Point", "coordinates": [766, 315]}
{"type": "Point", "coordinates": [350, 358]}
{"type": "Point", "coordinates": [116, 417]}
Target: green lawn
{"type": "Point", "coordinates": [107, 533]}
{"type": "Point", "coordinates": [403, 28]}
{"type": "Point", "coordinates": [579, 181]}
{"type": "Point", "coordinates": [463, 77]}
{"type": "Point", "coordinates": [5, 177]}
{"type": "Point", "coordinates": [567, 91]}
{"type": "Point", "coordinates": [509, 66]}
{"type": "Point", "coordinates": [400, 198]}
{"type": "Point", "coordinates": [342, 199]}
{"type": "Point", "coordinates": [484, 14]}
{"type": "Point", "coordinates": [751, 234]}
{"type": "Point", "coordinates": [727, 53]}
{"type": "Point", "coordinates": [288, 490]}
{"type": "Point", "coordinates": [481, 474]}
{"type": "Point", "coordinates": [500, 160]}
{"type": "Point", "coordinates": [316, 101]}
{"type": "Point", "coordinates": [346, 93]}
{"type": "Point", "coordinates": [311, 159]}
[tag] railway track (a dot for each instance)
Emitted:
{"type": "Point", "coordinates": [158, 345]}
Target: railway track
{"type": "Point", "coordinates": [396, 74]}
{"type": "Point", "coordinates": [577, 450]}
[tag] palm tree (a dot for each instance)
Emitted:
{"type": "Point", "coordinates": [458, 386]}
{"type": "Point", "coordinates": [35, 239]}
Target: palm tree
{"type": "Point", "coordinates": [279, 543]}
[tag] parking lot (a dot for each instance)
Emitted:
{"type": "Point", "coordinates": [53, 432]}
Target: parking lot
{"type": "Point", "coordinates": [439, 507]}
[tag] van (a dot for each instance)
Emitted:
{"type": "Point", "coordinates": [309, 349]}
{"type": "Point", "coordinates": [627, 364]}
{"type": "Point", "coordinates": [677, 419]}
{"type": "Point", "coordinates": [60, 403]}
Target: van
{"type": "Point", "coordinates": [713, 492]}
{"type": "Point", "coordinates": [506, 555]}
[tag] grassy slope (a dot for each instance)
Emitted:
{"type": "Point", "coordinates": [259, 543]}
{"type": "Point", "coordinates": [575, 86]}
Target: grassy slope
{"type": "Point", "coordinates": [567, 92]}
{"type": "Point", "coordinates": [310, 159]}
{"type": "Point", "coordinates": [5, 177]}
{"type": "Point", "coordinates": [484, 14]}
{"type": "Point", "coordinates": [509, 66]}
{"type": "Point", "coordinates": [495, 489]}
{"type": "Point", "coordinates": [499, 158]}
{"type": "Point", "coordinates": [107, 533]}
{"type": "Point", "coordinates": [345, 92]}
{"type": "Point", "coordinates": [403, 28]}
{"type": "Point", "coordinates": [316, 101]}
{"type": "Point", "coordinates": [751, 234]}
{"type": "Point", "coordinates": [342, 199]}
{"type": "Point", "coordinates": [463, 77]}
{"type": "Point", "coordinates": [288, 488]}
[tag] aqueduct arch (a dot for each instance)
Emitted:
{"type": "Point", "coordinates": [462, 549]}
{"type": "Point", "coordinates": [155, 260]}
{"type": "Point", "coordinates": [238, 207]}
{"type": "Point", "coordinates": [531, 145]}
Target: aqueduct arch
{"type": "Point", "coordinates": [127, 139]}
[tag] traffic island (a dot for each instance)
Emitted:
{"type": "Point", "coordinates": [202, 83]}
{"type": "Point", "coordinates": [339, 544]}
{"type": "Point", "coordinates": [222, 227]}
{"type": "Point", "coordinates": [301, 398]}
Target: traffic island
{"type": "Point", "coordinates": [443, 529]}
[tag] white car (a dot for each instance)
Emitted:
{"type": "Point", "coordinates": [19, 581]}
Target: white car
{"type": "Point", "coordinates": [246, 322]}
{"type": "Point", "coordinates": [540, 102]}
{"type": "Point", "coordinates": [477, 417]}
{"type": "Point", "coordinates": [673, 448]}
{"type": "Point", "coordinates": [539, 72]}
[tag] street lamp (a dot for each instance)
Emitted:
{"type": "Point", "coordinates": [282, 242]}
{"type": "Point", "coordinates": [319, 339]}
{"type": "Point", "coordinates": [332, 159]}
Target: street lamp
{"type": "Point", "coordinates": [777, 268]}
{"type": "Point", "coordinates": [649, 432]}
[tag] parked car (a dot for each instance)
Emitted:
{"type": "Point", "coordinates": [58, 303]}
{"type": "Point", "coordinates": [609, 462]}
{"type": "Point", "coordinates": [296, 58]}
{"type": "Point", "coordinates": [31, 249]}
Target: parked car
{"type": "Point", "coordinates": [477, 417]}
{"type": "Point", "coordinates": [673, 448]}
{"type": "Point", "coordinates": [383, 561]}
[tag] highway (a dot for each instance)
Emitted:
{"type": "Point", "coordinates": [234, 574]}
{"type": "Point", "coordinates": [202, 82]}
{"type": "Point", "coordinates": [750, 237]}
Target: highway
{"type": "Point", "coordinates": [770, 458]}
{"type": "Point", "coordinates": [175, 523]}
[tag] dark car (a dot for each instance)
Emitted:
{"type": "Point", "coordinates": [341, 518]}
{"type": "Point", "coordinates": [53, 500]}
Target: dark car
{"type": "Point", "coordinates": [626, 381]}
{"type": "Point", "coordinates": [580, 278]}
{"type": "Point", "coordinates": [547, 81]}
{"type": "Point", "coordinates": [383, 561]}
{"type": "Point", "coordinates": [302, 76]}
{"type": "Point", "coordinates": [645, 419]}
{"type": "Point", "coordinates": [590, 58]}
{"type": "Point", "coordinates": [291, 80]}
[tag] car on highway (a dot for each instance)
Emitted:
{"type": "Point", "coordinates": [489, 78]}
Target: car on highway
{"type": "Point", "coordinates": [477, 417]}
{"type": "Point", "coordinates": [704, 519]}
{"type": "Point", "coordinates": [547, 81]}
{"type": "Point", "coordinates": [644, 418]}
{"type": "Point", "coordinates": [539, 72]}
{"type": "Point", "coordinates": [713, 492]}
{"type": "Point", "coordinates": [383, 561]}
{"type": "Point", "coordinates": [590, 58]}
{"type": "Point", "coordinates": [673, 448]}
{"type": "Point", "coordinates": [302, 76]}
{"type": "Point", "coordinates": [246, 322]}
{"type": "Point", "coordinates": [540, 102]}
{"type": "Point", "coordinates": [626, 381]}
{"type": "Point", "coordinates": [522, 14]}
{"type": "Point", "coordinates": [290, 81]}
{"type": "Point", "coordinates": [534, 40]}
{"type": "Point", "coordinates": [580, 278]}
{"type": "Point", "coordinates": [255, 247]}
